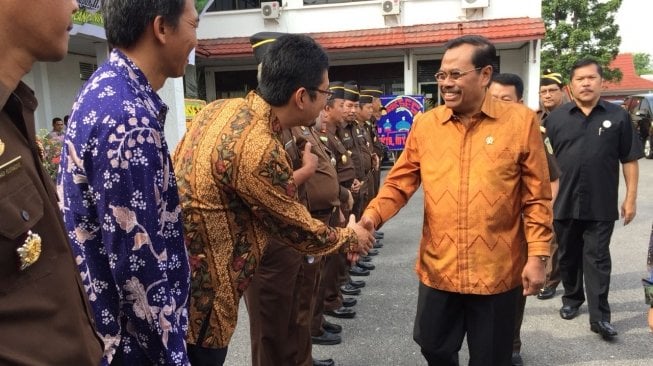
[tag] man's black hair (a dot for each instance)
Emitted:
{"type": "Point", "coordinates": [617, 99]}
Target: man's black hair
{"type": "Point", "coordinates": [508, 79]}
{"type": "Point", "coordinates": [586, 62]}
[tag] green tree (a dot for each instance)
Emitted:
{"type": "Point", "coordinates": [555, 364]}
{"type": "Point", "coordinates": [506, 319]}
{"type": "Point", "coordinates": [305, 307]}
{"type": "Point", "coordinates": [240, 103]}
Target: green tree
{"type": "Point", "coordinates": [643, 63]}
{"type": "Point", "coordinates": [580, 28]}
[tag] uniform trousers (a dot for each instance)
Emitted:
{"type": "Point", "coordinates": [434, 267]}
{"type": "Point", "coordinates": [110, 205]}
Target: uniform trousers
{"type": "Point", "coordinates": [272, 304]}
{"type": "Point", "coordinates": [584, 251]}
{"type": "Point", "coordinates": [553, 266]}
{"type": "Point", "coordinates": [443, 318]}
{"type": "Point", "coordinates": [309, 287]}
{"type": "Point", "coordinates": [329, 296]}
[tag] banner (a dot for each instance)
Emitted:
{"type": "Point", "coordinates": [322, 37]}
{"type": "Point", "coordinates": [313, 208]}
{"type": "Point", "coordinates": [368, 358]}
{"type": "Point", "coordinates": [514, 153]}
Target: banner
{"type": "Point", "coordinates": [397, 118]}
{"type": "Point", "coordinates": [88, 23]}
{"type": "Point", "coordinates": [192, 108]}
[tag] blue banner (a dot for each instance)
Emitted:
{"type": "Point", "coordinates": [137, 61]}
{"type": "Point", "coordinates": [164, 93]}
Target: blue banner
{"type": "Point", "coordinates": [397, 118]}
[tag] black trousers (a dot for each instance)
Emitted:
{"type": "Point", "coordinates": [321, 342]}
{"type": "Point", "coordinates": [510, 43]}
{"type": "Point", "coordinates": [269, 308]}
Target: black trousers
{"type": "Point", "coordinates": [584, 251]}
{"type": "Point", "coordinates": [443, 318]}
{"type": "Point", "coordinates": [200, 356]}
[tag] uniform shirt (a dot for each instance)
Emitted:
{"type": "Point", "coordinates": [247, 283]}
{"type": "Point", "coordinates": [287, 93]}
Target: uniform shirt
{"type": "Point", "coordinates": [588, 149]}
{"type": "Point", "coordinates": [487, 196]}
{"type": "Point", "coordinates": [344, 165]}
{"type": "Point", "coordinates": [235, 182]}
{"type": "Point", "coordinates": [44, 313]}
{"type": "Point", "coordinates": [320, 191]}
{"type": "Point", "coordinates": [353, 137]}
{"type": "Point", "coordinates": [122, 212]}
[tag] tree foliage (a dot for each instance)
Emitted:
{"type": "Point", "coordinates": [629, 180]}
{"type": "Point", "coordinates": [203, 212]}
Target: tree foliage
{"type": "Point", "coordinates": [643, 63]}
{"type": "Point", "coordinates": [577, 29]}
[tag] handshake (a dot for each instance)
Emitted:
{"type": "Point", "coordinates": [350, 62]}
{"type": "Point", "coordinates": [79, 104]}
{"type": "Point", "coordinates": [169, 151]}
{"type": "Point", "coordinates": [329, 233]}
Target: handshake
{"type": "Point", "coordinates": [364, 230]}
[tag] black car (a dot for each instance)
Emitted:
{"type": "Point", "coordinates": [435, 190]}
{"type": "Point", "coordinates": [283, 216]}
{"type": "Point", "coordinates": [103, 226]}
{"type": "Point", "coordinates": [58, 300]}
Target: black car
{"type": "Point", "coordinates": [640, 107]}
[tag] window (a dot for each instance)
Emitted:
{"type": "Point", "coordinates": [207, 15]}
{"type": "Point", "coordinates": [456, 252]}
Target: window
{"type": "Point", "coordinates": [321, 2]}
{"type": "Point", "coordinates": [223, 5]}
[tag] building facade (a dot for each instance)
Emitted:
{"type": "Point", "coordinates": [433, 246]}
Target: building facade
{"type": "Point", "coordinates": [397, 44]}
{"type": "Point", "coordinates": [56, 84]}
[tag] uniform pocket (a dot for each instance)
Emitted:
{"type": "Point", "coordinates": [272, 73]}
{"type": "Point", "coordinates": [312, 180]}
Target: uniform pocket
{"type": "Point", "coordinates": [21, 206]}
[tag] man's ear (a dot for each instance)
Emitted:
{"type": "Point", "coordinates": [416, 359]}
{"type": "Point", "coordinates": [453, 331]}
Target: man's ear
{"type": "Point", "coordinates": [486, 75]}
{"type": "Point", "coordinates": [299, 97]}
{"type": "Point", "coordinates": [160, 29]}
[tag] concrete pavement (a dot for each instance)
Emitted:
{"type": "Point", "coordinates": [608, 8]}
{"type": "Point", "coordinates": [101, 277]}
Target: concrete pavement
{"type": "Point", "coordinates": [381, 333]}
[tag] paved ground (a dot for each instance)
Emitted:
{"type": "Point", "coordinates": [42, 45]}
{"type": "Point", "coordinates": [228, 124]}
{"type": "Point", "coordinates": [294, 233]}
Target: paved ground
{"type": "Point", "coordinates": [381, 333]}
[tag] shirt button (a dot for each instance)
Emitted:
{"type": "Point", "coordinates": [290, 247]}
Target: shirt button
{"type": "Point", "coordinates": [25, 215]}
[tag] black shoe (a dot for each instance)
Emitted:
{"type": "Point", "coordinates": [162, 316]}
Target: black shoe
{"type": "Point", "coordinates": [546, 293]}
{"type": "Point", "coordinates": [365, 258]}
{"type": "Point", "coordinates": [357, 284]}
{"type": "Point", "coordinates": [517, 360]}
{"type": "Point", "coordinates": [358, 271]}
{"type": "Point", "coordinates": [327, 362]}
{"type": "Point", "coordinates": [372, 252]}
{"type": "Point", "coordinates": [605, 329]}
{"type": "Point", "coordinates": [349, 302]}
{"type": "Point", "coordinates": [342, 313]}
{"type": "Point", "coordinates": [327, 339]}
{"type": "Point", "coordinates": [568, 312]}
{"type": "Point", "coordinates": [366, 265]}
{"type": "Point", "coordinates": [378, 235]}
{"type": "Point", "coordinates": [349, 290]}
{"type": "Point", "coordinates": [330, 327]}
{"type": "Point", "coordinates": [377, 244]}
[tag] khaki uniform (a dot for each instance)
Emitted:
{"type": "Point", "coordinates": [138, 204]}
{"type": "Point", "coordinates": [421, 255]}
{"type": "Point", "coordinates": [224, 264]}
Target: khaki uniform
{"type": "Point", "coordinates": [353, 138]}
{"type": "Point", "coordinates": [281, 298]}
{"type": "Point", "coordinates": [334, 273]}
{"type": "Point", "coordinates": [378, 149]}
{"type": "Point", "coordinates": [44, 312]}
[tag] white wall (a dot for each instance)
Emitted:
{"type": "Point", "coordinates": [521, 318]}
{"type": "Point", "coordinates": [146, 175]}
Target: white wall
{"type": "Point", "coordinates": [297, 18]}
{"type": "Point", "coordinates": [56, 86]}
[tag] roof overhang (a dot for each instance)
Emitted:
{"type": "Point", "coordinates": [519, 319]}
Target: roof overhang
{"type": "Point", "coordinates": [387, 40]}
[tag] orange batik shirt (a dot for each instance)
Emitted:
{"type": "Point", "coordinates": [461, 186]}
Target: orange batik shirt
{"type": "Point", "coordinates": [487, 196]}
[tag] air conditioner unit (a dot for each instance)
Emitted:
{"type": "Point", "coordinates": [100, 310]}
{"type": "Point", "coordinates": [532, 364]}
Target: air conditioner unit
{"type": "Point", "coordinates": [391, 7]}
{"type": "Point", "coordinates": [270, 10]}
{"type": "Point", "coordinates": [471, 4]}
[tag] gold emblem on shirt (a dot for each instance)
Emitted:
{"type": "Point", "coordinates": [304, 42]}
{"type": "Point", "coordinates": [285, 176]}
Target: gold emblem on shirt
{"type": "Point", "coordinates": [344, 158]}
{"type": "Point", "coordinates": [30, 251]}
{"type": "Point", "coordinates": [2, 147]}
{"type": "Point", "coordinates": [489, 140]}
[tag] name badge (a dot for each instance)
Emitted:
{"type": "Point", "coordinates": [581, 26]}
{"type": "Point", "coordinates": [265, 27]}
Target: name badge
{"type": "Point", "coordinates": [10, 167]}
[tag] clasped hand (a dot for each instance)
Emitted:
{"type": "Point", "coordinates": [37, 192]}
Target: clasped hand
{"type": "Point", "coordinates": [365, 232]}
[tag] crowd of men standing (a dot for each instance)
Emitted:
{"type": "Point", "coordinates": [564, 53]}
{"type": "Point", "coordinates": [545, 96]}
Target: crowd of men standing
{"type": "Point", "coordinates": [276, 197]}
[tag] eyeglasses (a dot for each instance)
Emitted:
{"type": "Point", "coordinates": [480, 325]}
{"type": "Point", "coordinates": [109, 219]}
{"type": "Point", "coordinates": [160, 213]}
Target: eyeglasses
{"type": "Point", "coordinates": [455, 74]}
{"type": "Point", "coordinates": [550, 91]}
{"type": "Point", "coordinates": [328, 93]}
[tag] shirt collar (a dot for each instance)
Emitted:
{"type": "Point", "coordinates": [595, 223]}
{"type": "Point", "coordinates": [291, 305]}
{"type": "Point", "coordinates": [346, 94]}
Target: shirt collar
{"type": "Point", "coordinates": [488, 109]}
{"type": "Point", "coordinates": [600, 104]}
{"type": "Point", "coordinates": [263, 111]}
{"type": "Point", "coordinates": [139, 83]}
{"type": "Point", "coordinates": [23, 94]}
